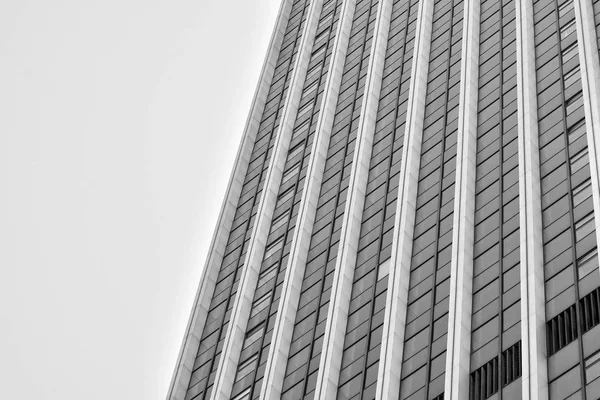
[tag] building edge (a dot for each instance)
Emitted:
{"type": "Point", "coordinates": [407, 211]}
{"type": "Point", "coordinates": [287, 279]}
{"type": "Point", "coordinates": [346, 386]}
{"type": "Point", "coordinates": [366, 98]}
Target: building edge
{"type": "Point", "coordinates": [236, 330]}
{"type": "Point", "coordinates": [189, 348]}
{"type": "Point", "coordinates": [292, 284]}
{"type": "Point", "coordinates": [533, 313]}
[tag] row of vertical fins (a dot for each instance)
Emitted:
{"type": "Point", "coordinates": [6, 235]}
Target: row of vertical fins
{"type": "Point", "coordinates": [412, 210]}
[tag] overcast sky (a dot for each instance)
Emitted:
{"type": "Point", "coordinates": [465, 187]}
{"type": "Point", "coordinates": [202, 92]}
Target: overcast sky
{"type": "Point", "coordinates": [119, 122]}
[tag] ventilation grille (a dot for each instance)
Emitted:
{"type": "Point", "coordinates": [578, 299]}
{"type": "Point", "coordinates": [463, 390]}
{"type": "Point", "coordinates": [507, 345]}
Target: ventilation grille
{"type": "Point", "coordinates": [511, 364]}
{"type": "Point", "coordinates": [561, 330]}
{"type": "Point", "coordinates": [590, 310]}
{"type": "Point", "coordinates": [484, 381]}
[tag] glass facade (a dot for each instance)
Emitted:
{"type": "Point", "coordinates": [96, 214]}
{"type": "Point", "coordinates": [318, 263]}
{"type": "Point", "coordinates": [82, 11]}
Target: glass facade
{"type": "Point", "coordinates": [496, 366]}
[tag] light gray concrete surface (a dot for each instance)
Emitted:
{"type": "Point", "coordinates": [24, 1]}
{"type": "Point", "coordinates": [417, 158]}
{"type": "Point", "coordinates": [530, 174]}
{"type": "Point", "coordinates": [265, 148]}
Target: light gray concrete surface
{"type": "Point", "coordinates": [533, 325]}
{"type": "Point", "coordinates": [236, 329]}
{"type": "Point", "coordinates": [191, 341]}
{"type": "Point", "coordinates": [337, 317]}
{"type": "Point", "coordinates": [458, 355]}
{"type": "Point", "coordinates": [292, 285]}
{"type": "Point", "coordinates": [392, 343]}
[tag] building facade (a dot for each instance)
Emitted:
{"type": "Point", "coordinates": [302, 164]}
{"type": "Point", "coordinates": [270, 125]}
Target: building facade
{"type": "Point", "coordinates": [411, 214]}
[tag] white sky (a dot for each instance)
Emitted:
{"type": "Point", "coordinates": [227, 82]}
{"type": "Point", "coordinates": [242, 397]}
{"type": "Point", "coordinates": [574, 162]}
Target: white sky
{"type": "Point", "coordinates": [119, 122]}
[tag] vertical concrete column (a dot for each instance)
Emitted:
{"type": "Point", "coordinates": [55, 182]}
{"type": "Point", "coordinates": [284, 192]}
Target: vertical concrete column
{"type": "Point", "coordinates": [458, 353]}
{"type": "Point", "coordinates": [392, 342]}
{"type": "Point", "coordinates": [292, 285]}
{"type": "Point", "coordinates": [236, 329]}
{"type": "Point", "coordinates": [191, 341]}
{"type": "Point", "coordinates": [337, 315]}
{"type": "Point", "coordinates": [533, 313]}
{"type": "Point", "coordinates": [590, 81]}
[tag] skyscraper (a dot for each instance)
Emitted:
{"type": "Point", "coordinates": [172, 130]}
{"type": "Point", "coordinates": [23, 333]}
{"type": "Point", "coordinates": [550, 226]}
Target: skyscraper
{"type": "Point", "coordinates": [411, 214]}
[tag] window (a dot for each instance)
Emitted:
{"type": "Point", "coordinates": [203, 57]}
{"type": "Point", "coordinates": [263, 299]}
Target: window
{"type": "Point", "coordinates": [319, 52]}
{"type": "Point", "coordinates": [569, 52]}
{"type": "Point", "coordinates": [565, 8]}
{"type": "Point", "coordinates": [592, 367]}
{"type": "Point", "coordinates": [274, 247]}
{"type": "Point", "coordinates": [579, 160]}
{"type": "Point", "coordinates": [312, 88]}
{"type": "Point", "coordinates": [279, 221]}
{"type": "Point", "coordinates": [326, 20]}
{"type": "Point", "coordinates": [290, 173]}
{"type": "Point", "coordinates": [246, 366]}
{"type": "Point", "coordinates": [298, 149]}
{"type": "Point", "coordinates": [574, 103]}
{"type": "Point", "coordinates": [305, 109]}
{"type": "Point", "coordinates": [572, 76]}
{"type": "Point", "coordinates": [253, 336]}
{"type": "Point", "coordinates": [584, 226]}
{"type": "Point", "coordinates": [567, 30]}
{"type": "Point", "coordinates": [245, 395]}
{"type": "Point", "coordinates": [299, 130]}
{"type": "Point", "coordinates": [312, 72]}
{"type": "Point", "coordinates": [576, 131]}
{"type": "Point", "coordinates": [267, 275]}
{"type": "Point", "coordinates": [588, 263]}
{"type": "Point", "coordinates": [260, 304]}
{"type": "Point", "coordinates": [285, 196]}
{"type": "Point", "coordinates": [323, 35]}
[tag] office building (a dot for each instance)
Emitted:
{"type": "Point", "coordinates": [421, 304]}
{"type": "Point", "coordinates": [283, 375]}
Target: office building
{"type": "Point", "coordinates": [411, 214]}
